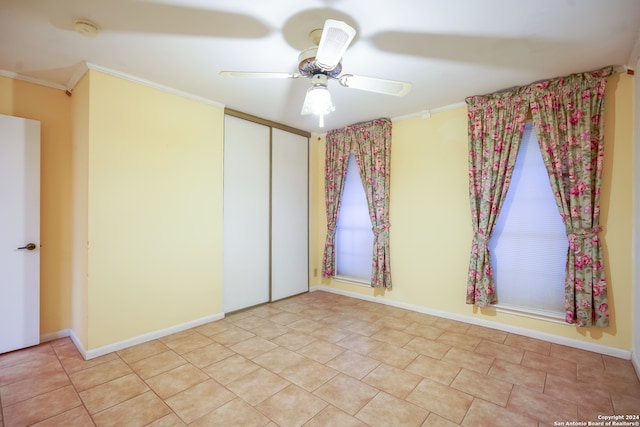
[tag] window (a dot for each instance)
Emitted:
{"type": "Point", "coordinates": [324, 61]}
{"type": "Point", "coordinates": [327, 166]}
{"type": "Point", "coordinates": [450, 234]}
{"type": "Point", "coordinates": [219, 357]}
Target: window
{"type": "Point", "coordinates": [529, 242]}
{"type": "Point", "coordinates": [354, 236]}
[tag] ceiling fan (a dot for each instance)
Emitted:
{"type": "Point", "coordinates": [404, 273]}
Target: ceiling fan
{"type": "Point", "coordinates": [322, 62]}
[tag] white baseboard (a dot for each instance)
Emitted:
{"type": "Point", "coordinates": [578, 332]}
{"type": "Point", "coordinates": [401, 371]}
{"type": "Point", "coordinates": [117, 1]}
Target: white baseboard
{"type": "Point", "coordinates": [109, 348]}
{"type": "Point", "coordinates": [64, 333]}
{"type": "Point", "coordinates": [78, 344]}
{"type": "Point", "coordinates": [52, 336]}
{"type": "Point", "coordinates": [610, 351]}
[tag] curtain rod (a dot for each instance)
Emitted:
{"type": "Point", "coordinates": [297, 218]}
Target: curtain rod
{"type": "Point", "coordinates": [425, 114]}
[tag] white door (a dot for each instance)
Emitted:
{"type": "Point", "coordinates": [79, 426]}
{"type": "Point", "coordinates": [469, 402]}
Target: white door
{"type": "Point", "coordinates": [19, 233]}
{"type": "Point", "coordinates": [289, 215]}
{"type": "Point", "coordinates": [246, 214]}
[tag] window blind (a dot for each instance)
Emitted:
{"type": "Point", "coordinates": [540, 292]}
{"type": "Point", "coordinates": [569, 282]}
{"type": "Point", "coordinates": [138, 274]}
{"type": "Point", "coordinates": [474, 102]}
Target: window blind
{"type": "Point", "coordinates": [529, 242]}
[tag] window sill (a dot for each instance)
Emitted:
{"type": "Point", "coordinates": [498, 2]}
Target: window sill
{"type": "Point", "coordinates": [352, 281]}
{"type": "Point", "coordinates": [547, 316]}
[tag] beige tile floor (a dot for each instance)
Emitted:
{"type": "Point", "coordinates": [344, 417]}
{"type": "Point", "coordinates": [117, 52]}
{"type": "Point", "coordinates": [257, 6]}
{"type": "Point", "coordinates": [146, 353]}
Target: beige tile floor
{"type": "Point", "coordinates": [318, 359]}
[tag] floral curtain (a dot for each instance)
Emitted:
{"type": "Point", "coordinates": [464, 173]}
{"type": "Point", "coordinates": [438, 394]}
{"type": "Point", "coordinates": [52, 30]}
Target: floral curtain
{"type": "Point", "coordinates": [496, 123]}
{"type": "Point", "coordinates": [370, 143]}
{"type": "Point", "coordinates": [336, 160]}
{"type": "Point", "coordinates": [372, 150]}
{"type": "Point", "coordinates": [568, 115]}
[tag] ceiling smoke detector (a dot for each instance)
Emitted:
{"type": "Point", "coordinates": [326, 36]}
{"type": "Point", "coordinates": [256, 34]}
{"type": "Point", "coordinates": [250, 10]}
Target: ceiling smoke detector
{"type": "Point", "coordinates": [86, 27]}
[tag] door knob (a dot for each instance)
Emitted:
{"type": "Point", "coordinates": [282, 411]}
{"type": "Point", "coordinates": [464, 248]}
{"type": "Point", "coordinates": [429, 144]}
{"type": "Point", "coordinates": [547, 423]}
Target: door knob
{"type": "Point", "coordinates": [29, 247]}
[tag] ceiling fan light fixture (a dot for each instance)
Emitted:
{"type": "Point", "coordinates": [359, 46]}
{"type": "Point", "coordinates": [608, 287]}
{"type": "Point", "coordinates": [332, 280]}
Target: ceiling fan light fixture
{"type": "Point", "coordinates": [318, 99]}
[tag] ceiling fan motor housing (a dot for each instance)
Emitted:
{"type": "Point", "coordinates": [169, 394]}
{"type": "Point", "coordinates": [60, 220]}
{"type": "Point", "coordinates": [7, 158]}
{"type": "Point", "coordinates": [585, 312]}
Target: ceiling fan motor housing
{"type": "Point", "coordinates": [308, 66]}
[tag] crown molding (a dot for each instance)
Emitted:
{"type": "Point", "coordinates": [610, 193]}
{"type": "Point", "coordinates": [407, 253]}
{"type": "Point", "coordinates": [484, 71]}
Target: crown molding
{"type": "Point", "coordinates": [84, 67]}
{"type": "Point", "coordinates": [22, 77]}
{"type": "Point", "coordinates": [153, 85]}
{"type": "Point", "coordinates": [425, 114]}
{"type": "Point", "coordinates": [79, 72]}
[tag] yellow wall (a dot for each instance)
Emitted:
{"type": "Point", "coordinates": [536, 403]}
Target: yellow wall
{"type": "Point", "coordinates": [52, 108]}
{"type": "Point", "coordinates": [154, 210]}
{"type": "Point", "coordinates": [131, 224]}
{"type": "Point", "coordinates": [137, 173]}
{"type": "Point", "coordinates": [430, 235]}
{"type": "Point", "coordinates": [80, 161]}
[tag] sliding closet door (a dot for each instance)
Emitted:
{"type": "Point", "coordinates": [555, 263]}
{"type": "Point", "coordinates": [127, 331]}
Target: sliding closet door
{"type": "Point", "coordinates": [289, 215]}
{"type": "Point", "coordinates": [246, 214]}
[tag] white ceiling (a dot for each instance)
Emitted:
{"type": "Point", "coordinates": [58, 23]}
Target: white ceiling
{"type": "Point", "coordinates": [448, 49]}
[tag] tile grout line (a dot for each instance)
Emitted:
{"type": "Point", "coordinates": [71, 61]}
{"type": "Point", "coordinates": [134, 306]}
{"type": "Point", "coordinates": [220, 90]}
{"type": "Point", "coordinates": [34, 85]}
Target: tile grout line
{"type": "Point", "coordinates": [91, 416]}
{"type": "Point", "coordinates": [75, 390]}
{"type": "Point", "coordinates": [287, 380]}
{"type": "Point", "coordinates": [147, 385]}
{"type": "Point", "coordinates": [72, 384]}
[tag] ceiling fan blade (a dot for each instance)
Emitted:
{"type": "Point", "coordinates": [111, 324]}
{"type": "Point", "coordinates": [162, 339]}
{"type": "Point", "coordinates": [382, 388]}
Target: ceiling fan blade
{"type": "Point", "coordinates": [259, 75]}
{"type": "Point", "coordinates": [373, 84]}
{"type": "Point", "coordinates": [336, 37]}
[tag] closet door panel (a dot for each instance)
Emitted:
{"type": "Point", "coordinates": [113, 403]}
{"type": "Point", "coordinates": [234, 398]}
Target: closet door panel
{"type": "Point", "coordinates": [289, 215]}
{"type": "Point", "coordinates": [246, 214]}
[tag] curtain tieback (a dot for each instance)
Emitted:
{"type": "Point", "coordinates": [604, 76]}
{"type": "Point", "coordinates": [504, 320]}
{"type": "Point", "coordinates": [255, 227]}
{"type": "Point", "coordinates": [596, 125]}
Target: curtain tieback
{"type": "Point", "coordinates": [584, 233]}
{"type": "Point", "coordinates": [384, 228]}
{"type": "Point", "coordinates": [481, 238]}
